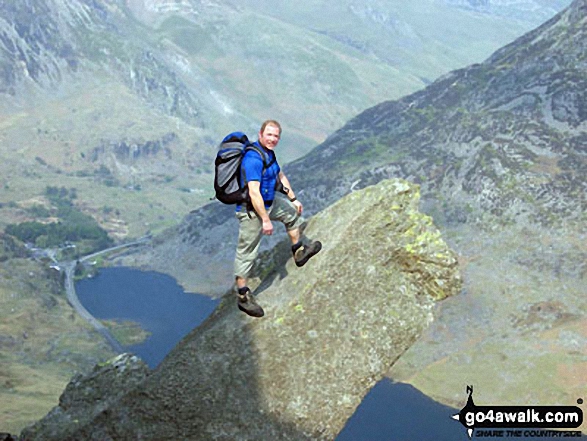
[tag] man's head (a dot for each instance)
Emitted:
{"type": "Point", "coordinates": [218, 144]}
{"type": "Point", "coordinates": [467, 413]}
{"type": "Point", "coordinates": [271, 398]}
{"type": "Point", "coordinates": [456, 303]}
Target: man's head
{"type": "Point", "coordinates": [269, 134]}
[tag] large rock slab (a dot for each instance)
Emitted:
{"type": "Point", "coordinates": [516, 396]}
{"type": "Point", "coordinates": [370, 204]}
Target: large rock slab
{"type": "Point", "coordinates": [332, 329]}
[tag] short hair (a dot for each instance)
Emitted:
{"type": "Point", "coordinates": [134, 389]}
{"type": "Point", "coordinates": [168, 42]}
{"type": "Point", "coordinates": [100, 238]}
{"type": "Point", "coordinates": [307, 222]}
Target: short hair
{"type": "Point", "coordinates": [270, 122]}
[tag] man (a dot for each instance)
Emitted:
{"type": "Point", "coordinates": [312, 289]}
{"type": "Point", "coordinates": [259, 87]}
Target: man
{"type": "Point", "coordinates": [262, 175]}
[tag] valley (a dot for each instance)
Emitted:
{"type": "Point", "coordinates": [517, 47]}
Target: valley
{"type": "Point", "coordinates": [91, 77]}
{"type": "Point", "coordinates": [122, 104]}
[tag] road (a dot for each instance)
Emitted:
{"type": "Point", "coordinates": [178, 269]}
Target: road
{"type": "Point", "coordinates": [69, 269]}
{"type": "Point", "coordinates": [73, 300]}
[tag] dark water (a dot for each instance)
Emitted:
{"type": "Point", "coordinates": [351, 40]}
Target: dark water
{"type": "Point", "coordinates": [397, 411]}
{"type": "Point", "coordinates": [153, 300]}
{"type": "Point", "coordinates": [389, 412]}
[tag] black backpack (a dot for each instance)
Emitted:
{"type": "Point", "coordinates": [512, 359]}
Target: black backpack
{"type": "Point", "coordinates": [228, 168]}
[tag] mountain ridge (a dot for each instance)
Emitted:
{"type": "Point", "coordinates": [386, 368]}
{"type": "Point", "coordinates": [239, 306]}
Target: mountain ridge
{"type": "Point", "coordinates": [427, 110]}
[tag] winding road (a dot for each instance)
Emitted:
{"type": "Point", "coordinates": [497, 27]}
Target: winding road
{"type": "Point", "coordinates": [69, 269]}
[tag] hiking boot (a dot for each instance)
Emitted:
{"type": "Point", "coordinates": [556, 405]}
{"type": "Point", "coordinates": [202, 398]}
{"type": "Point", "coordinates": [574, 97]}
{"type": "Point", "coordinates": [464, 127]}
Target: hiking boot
{"type": "Point", "coordinates": [303, 253]}
{"type": "Point", "coordinates": [247, 304]}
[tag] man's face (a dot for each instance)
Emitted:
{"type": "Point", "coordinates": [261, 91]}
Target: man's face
{"type": "Point", "coordinates": [270, 137]}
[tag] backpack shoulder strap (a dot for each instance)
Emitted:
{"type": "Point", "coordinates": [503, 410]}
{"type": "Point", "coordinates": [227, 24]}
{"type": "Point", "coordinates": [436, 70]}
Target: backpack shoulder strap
{"type": "Point", "coordinates": [266, 164]}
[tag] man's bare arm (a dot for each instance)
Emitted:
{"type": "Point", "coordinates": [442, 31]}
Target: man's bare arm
{"type": "Point", "coordinates": [259, 206]}
{"type": "Point", "coordinates": [290, 194]}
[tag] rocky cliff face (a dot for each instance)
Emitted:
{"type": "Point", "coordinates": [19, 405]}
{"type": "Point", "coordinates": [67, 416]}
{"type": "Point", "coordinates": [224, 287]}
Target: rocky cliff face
{"type": "Point", "coordinates": [36, 48]}
{"type": "Point", "coordinates": [47, 44]}
{"type": "Point", "coordinates": [331, 331]}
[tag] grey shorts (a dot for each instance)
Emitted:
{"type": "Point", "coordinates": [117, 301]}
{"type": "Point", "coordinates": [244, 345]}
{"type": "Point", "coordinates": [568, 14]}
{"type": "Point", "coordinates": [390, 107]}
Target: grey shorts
{"type": "Point", "coordinates": [250, 232]}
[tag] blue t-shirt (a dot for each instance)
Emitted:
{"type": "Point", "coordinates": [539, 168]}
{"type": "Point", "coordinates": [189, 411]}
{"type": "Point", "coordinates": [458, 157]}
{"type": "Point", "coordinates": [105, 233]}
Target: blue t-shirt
{"type": "Point", "coordinates": [252, 170]}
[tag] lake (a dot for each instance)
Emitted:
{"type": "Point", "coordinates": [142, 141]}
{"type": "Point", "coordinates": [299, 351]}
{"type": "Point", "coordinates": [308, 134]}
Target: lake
{"type": "Point", "coordinates": [153, 300]}
{"type": "Point", "coordinates": [390, 411]}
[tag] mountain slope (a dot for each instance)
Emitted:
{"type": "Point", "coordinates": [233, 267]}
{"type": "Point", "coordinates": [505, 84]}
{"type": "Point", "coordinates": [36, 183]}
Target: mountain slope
{"type": "Point", "coordinates": [499, 150]}
{"type": "Point", "coordinates": [42, 343]}
{"type": "Point", "coordinates": [540, 10]}
{"type": "Point", "coordinates": [502, 138]}
{"type": "Point", "coordinates": [84, 81]}
{"type": "Point", "coordinates": [320, 72]}
{"type": "Point", "coordinates": [508, 132]}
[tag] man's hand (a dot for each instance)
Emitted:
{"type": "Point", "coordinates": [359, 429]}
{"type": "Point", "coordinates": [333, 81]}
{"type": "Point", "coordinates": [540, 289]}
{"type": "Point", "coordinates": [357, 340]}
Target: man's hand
{"type": "Point", "coordinates": [267, 227]}
{"type": "Point", "coordinates": [290, 194]}
{"type": "Point", "coordinates": [298, 206]}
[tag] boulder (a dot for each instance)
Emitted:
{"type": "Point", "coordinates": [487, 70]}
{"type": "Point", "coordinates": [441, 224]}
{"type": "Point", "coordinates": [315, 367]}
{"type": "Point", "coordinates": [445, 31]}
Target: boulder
{"type": "Point", "coordinates": [88, 395]}
{"type": "Point", "coordinates": [332, 329]}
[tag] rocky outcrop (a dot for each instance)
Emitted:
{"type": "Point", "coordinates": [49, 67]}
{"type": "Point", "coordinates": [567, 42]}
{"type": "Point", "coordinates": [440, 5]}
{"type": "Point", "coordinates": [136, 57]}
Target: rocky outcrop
{"type": "Point", "coordinates": [87, 396]}
{"type": "Point", "coordinates": [131, 151]}
{"type": "Point", "coordinates": [332, 329]}
{"type": "Point", "coordinates": [10, 248]}
{"type": "Point", "coordinates": [137, 160]}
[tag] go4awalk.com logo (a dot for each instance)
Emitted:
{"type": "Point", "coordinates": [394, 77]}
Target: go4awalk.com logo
{"type": "Point", "coordinates": [516, 421]}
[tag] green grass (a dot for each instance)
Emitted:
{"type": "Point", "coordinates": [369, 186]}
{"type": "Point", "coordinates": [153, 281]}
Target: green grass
{"type": "Point", "coordinates": [57, 133]}
{"type": "Point", "coordinates": [127, 332]}
{"type": "Point", "coordinates": [27, 393]}
{"type": "Point", "coordinates": [43, 343]}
